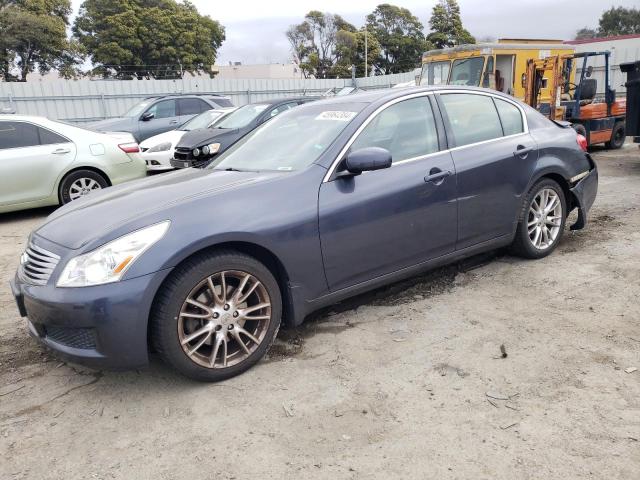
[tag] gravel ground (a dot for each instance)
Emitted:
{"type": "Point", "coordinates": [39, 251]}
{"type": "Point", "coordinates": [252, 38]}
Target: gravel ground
{"type": "Point", "coordinates": [405, 382]}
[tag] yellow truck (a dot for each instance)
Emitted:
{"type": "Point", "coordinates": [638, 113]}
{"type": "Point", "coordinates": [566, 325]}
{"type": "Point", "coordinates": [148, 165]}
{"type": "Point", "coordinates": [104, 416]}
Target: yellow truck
{"type": "Point", "coordinates": [501, 66]}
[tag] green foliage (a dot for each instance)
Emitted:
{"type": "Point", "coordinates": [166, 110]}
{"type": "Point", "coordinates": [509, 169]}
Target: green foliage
{"type": "Point", "coordinates": [323, 45]}
{"type": "Point", "coordinates": [619, 21]}
{"type": "Point", "coordinates": [585, 33]}
{"type": "Point", "coordinates": [147, 38]}
{"type": "Point", "coordinates": [446, 26]}
{"type": "Point", "coordinates": [33, 37]}
{"type": "Point", "coordinates": [401, 38]}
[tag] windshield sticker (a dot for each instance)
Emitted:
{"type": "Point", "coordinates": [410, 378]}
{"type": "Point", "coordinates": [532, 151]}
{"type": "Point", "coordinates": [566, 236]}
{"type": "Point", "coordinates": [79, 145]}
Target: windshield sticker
{"type": "Point", "coordinates": [341, 116]}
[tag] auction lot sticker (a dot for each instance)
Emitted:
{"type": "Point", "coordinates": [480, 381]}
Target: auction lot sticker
{"type": "Point", "coordinates": [341, 116]}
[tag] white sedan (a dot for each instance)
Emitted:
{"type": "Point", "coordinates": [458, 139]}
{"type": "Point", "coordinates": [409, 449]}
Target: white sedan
{"type": "Point", "coordinates": [158, 151]}
{"type": "Point", "coordinates": [44, 162]}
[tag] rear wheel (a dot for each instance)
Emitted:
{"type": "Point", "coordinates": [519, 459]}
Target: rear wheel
{"type": "Point", "coordinates": [542, 220]}
{"type": "Point", "coordinates": [216, 316]}
{"type": "Point", "coordinates": [617, 136]}
{"type": "Point", "coordinates": [79, 184]}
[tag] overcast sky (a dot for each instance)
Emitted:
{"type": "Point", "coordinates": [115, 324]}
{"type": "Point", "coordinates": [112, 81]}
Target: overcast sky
{"type": "Point", "coordinates": [255, 29]}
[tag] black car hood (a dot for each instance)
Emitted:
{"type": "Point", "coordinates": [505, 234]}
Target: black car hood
{"type": "Point", "coordinates": [94, 216]}
{"type": "Point", "coordinates": [204, 136]}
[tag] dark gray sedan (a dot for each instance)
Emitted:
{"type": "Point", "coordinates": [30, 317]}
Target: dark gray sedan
{"type": "Point", "coordinates": [325, 201]}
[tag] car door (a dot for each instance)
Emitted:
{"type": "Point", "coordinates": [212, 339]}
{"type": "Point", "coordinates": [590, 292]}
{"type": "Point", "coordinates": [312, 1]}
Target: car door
{"type": "Point", "coordinates": [190, 107]}
{"type": "Point", "coordinates": [31, 160]}
{"type": "Point", "coordinates": [493, 155]}
{"type": "Point", "coordinates": [164, 118]}
{"type": "Point", "coordinates": [382, 221]}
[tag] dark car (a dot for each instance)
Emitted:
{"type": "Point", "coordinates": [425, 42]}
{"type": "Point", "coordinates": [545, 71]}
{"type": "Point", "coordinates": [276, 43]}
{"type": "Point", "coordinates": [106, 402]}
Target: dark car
{"type": "Point", "coordinates": [325, 201]}
{"type": "Point", "coordinates": [156, 115]}
{"type": "Point", "coordinates": [197, 148]}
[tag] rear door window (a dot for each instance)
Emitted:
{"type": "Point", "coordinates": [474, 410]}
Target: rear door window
{"type": "Point", "coordinates": [47, 137]}
{"type": "Point", "coordinates": [407, 129]}
{"type": "Point", "coordinates": [510, 116]}
{"type": "Point", "coordinates": [473, 118]}
{"type": "Point", "coordinates": [192, 106]}
{"type": "Point", "coordinates": [18, 135]}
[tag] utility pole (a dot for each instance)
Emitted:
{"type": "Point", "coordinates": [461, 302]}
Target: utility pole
{"type": "Point", "coordinates": [366, 52]}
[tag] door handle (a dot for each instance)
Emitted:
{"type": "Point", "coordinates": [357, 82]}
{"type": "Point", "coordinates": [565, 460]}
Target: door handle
{"type": "Point", "coordinates": [436, 176]}
{"type": "Point", "coordinates": [173, 122]}
{"type": "Point", "coordinates": [522, 151]}
{"type": "Point", "coordinates": [61, 151]}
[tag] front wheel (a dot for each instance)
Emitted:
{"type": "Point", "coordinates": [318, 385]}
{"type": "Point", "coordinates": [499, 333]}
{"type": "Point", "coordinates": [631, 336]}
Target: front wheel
{"type": "Point", "coordinates": [541, 221]}
{"type": "Point", "coordinates": [216, 316]}
{"type": "Point", "coordinates": [618, 136]}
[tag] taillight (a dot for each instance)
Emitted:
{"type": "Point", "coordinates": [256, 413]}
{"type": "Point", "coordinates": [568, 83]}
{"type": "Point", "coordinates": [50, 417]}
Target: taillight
{"type": "Point", "coordinates": [129, 147]}
{"type": "Point", "coordinates": [582, 142]}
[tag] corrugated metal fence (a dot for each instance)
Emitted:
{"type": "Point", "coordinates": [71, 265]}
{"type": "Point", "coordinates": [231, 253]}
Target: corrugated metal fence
{"type": "Point", "coordinates": [88, 100]}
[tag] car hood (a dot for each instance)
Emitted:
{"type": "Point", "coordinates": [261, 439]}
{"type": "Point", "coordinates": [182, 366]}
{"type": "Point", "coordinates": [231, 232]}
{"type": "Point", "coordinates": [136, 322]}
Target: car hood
{"type": "Point", "coordinates": [203, 136]}
{"type": "Point", "coordinates": [100, 213]}
{"type": "Point", "coordinates": [110, 125]}
{"type": "Point", "coordinates": [172, 137]}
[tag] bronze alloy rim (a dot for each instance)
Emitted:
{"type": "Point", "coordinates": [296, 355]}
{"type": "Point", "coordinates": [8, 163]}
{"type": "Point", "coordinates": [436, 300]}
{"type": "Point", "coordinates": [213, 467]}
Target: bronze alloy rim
{"type": "Point", "coordinates": [224, 319]}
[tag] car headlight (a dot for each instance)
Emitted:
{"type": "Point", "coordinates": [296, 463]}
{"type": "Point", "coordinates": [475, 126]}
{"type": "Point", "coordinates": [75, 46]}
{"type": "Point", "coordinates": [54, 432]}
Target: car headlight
{"type": "Point", "coordinates": [162, 147]}
{"type": "Point", "coordinates": [211, 149]}
{"type": "Point", "coordinates": [196, 152]}
{"type": "Point", "coordinates": [109, 262]}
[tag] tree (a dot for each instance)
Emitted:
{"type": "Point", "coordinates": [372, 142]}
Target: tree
{"type": "Point", "coordinates": [351, 51]}
{"type": "Point", "coordinates": [400, 36]}
{"type": "Point", "coordinates": [446, 26]}
{"type": "Point", "coordinates": [619, 21]}
{"type": "Point", "coordinates": [586, 33]}
{"type": "Point", "coordinates": [33, 37]}
{"type": "Point", "coordinates": [147, 38]}
{"type": "Point", "coordinates": [322, 42]}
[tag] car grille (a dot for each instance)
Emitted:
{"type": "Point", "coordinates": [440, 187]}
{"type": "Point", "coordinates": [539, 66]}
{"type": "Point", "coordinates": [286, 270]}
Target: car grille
{"type": "Point", "coordinates": [84, 338]}
{"type": "Point", "coordinates": [37, 265]}
{"type": "Point", "coordinates": [182, 154]}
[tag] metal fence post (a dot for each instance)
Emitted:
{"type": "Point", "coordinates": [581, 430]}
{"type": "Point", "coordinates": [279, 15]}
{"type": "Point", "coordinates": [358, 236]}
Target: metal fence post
{"type": "Point", "coordinates": [104, 106]}
{"type": "Point", "coordinates": [248, 95]}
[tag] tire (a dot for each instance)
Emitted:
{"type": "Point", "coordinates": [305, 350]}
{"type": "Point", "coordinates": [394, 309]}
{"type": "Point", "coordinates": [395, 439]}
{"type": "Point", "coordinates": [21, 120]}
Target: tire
{"type": "Point", "coordinates": [176, 320]}
{"type": "Point", "coordinates": [617, 136]}
{"type": "Point", "coordinates": [80, 183]}
{"type": "Point", "coordinates": [525, 242]}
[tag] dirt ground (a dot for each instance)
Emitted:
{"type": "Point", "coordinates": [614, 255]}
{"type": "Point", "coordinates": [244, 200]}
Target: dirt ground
{"type": "Point", "coordinates": [405, 382]}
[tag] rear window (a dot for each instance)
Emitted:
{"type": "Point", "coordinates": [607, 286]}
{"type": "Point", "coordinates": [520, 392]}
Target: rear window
{"type": "Point", "coordinates": [510, 117]}
{"type": "Point", "coordinates": [473, 118]}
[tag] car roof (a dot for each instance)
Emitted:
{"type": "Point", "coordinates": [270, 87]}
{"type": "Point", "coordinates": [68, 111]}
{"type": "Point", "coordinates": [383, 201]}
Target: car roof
{"type": "Point", "coordinates": [186, 95]}
{"type": "Point", "coordinates": [278, 101]}
{"type": "Point", "coordinates": [384, 95]}
{"type": "Point", "coordinates": [27, 118]}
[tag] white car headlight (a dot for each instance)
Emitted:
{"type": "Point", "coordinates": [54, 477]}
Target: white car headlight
{"type": "Point", "coordinates": [161, 147]}
{"type": "Point", "coordinates": [109, 262]}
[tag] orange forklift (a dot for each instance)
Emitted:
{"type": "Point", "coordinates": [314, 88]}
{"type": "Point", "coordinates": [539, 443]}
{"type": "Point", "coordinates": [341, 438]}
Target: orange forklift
{"type": "Point", "coordinates": [599, 121]}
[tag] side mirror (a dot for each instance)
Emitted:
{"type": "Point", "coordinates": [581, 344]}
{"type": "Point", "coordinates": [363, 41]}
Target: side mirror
{"type": "Point", "coordinates": [366, 160]}
{"type": "Point", "coordinates": [147, 116]}
{"type": "Point", "coordinates": [589, 71]}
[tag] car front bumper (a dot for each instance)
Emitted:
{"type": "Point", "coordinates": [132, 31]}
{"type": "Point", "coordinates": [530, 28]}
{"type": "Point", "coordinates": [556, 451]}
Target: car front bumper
{"type": "Point", "coordinates": [584, 194]}
{"type": "Point", "coordinates": [158, 161]}
{"type": "Point", "coordinates": [104, 326]}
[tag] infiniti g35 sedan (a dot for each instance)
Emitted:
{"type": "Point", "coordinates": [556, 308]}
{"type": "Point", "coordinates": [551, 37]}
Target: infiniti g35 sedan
{"type": "Point", "coordinates": [323, 202]}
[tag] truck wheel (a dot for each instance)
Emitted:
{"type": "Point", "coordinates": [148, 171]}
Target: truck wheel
{"type": "Point", "coordinates": [617, 136]}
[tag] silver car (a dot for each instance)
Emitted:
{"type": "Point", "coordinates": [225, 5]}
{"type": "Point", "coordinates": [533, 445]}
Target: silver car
{"type": "Point", "coordinates": [43, 162]}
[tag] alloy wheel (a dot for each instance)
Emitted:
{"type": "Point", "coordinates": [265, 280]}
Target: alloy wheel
{"type": "Point", "coordinates": [224, 319]}
{"type": "Point", "coordinates": [83, 186]}
{"type": "Point", "coordinates": [545, 218]}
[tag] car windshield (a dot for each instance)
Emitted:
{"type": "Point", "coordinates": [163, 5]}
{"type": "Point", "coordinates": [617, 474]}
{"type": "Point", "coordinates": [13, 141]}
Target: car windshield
{"type": "Point", "coordinates": [467, 71]}
{"type": "Point", "coordinates": [137, 109]}
{"type": "Point", "coordinates": [291, 141]}
{"type": "Point", "coordinates": [243, 116]}
{"type": "Point", "coordinates": [201, 121]}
